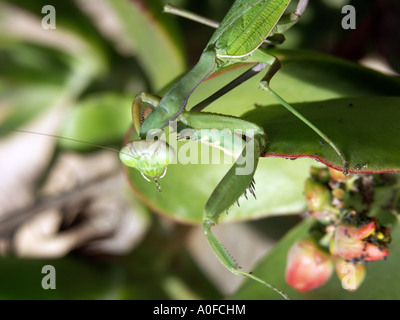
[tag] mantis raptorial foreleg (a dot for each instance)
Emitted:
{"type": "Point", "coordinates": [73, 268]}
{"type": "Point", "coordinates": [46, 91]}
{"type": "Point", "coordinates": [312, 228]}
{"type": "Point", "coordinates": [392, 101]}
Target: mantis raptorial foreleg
{"type": "Point", "coordinates": [237, 39]}
{"type": "Point", "coordinates": [140, 103]}
{"type": "Point", "coordinates": [273, 65]}
{"type": "Point", "coordinates": [264, 61]}
{"type": "Point", "coordinates": [236, 181]}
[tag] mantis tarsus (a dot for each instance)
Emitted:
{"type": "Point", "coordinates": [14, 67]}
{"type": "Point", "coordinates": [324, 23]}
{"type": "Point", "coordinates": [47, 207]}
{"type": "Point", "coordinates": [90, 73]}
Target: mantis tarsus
{"type": "Point", "coordinates": [237, 39]}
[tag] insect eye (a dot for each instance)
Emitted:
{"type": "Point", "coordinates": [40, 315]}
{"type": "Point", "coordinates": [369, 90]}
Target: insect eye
{"type": "Point", "coordinates": [149, 157]}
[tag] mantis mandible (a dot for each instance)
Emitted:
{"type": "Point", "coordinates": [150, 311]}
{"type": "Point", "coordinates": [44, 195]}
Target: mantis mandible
{"type": "Point", "coordinates": [237, 39]}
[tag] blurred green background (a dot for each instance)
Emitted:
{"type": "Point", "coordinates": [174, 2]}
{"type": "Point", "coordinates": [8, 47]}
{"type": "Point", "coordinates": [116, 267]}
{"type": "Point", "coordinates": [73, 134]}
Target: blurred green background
{"type": "Point", "coordinates": [107, 232]}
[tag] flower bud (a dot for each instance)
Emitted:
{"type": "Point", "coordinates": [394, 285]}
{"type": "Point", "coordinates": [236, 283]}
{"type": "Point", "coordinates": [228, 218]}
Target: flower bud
{"type": "Point", "coordinates": [308, 267]}
{"type": "Point", "coordinates": [318, 198]}
{"type": "Point", "coordinates": [350, 274]}
{"type": "Point", "coordinates": [351, 243]}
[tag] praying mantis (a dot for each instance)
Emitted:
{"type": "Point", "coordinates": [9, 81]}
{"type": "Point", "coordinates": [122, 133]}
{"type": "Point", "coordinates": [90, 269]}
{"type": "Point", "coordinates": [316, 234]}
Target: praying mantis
{"type": "Point", "coordinates": [237, 40]}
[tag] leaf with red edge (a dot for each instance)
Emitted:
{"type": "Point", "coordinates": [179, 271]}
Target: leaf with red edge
{"type": "Point", "coordinates": [304, 77]}
{"type": "Point", "coordinates": [366, 130]}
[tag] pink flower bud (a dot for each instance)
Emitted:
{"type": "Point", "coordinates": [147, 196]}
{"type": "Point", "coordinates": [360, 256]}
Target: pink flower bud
{"type": "Point", "coordinates": [350, 274]}
{"type": "Point", "coordinates": [308, 267]}
{"type": "Point", "coordinates": [352, 244]}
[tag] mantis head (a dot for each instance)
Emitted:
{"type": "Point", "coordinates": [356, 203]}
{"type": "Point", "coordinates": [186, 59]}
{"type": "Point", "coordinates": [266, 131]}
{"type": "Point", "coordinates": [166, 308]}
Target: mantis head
{"type": "Point", "coordinates": [151, 158]}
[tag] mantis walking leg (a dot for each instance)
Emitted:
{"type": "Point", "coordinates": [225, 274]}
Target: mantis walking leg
{"type": "Point", "coordinates": [273, 66]}
{"type": "Point", "coordinates": [234, 183]}
{"type": "Point", "coordinates": [237, 39]}
{"type": "Point", "coordinates": [264, 84]}
{"type": "Point", "coordinates": [264, 60]}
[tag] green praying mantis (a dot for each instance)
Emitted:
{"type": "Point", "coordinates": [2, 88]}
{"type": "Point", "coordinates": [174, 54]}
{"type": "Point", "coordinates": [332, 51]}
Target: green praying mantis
{"type": "Point", "coordinates": [247, 25]}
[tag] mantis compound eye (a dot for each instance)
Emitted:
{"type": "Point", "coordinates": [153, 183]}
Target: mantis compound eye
{"type": "Point", "coordinates": [149, 157]}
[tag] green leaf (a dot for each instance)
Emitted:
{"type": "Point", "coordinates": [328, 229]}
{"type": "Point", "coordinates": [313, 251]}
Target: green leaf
{"type": "Point", "coordinates": [279, 182]}
{"type": "Point", "coordinates": [365, 129]}
{"type": "Point", "coordinates": [155, 48]}
{"type": "Point", "coordinates": [25, 90]}
{"type": "Point", "coordinates": [186, 188]}
{"type": "Point", "coordinates": [24, 103]}
{"type": "Point", "coordinates": [305, 76]}
{"type": "Point", "coordinates": [43, 70]}
{"type": "Point", "coordinates": [99, 119]}
{"type": "Point", "coordinates": [272, 269]}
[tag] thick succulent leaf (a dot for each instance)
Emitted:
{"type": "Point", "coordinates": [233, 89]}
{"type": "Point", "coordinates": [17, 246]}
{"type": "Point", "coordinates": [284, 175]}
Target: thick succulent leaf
{"type": "Point", "coordinates": [272, 269]}
{"type": "Point", "coordinates": [365, 129]}
{"type": "Point", "coordinates": [186, 188]}
{"type": "Point", "coordinates": [304, 76]}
